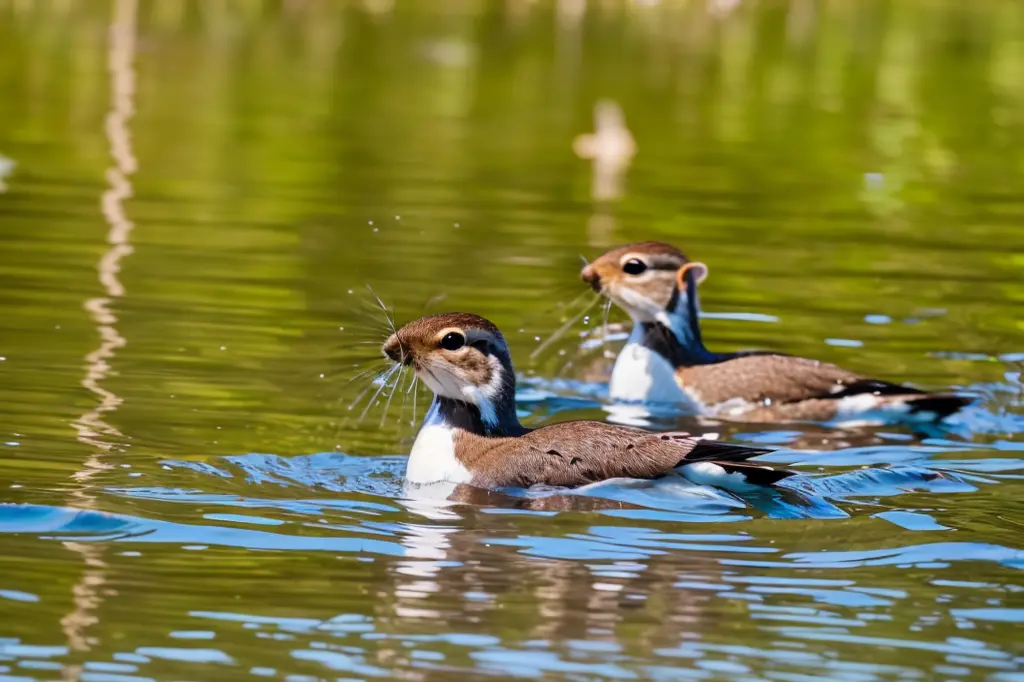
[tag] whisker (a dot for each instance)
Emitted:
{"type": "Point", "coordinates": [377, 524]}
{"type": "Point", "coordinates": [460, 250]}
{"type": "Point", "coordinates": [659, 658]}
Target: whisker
{"type": "Point", "coordinates": [561, 370]}
{"type": "Point", "coordinates": [367, 314]}
{"type": "Point", "coordinates": [405, 398]}
{"type": "Point", "coordinates": [576, 299]}
{"type": "Point", "coordinates": [560, 332]}
{"type": "Point", "coordinates": [583, 259]}
{"type": "Point", "coordinates": [434, 300]}
{"type": "Point", "coordinates": [377, 329]}
{"type": "Point", "coordinates": [604, 325]}
{"type": "Point", "coordinates": [359, 375]}
{"type": "Point", "coordinates": [571, 290]}
{"type": "Point", "coordinates": [383, 385]}
{"type": "Point", "coordinates": [384, 308]}
{"type": "Point", "coordinates": [379, 378]}
{"type": "Point", "coordinates": [387, 406]}
{"type": "Point", "coordinates": [415, 394]}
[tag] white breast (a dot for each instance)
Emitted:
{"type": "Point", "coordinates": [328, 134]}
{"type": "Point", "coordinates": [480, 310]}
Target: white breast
{"type": "Point", "coordinates": [433, 457]}
{"type": "Point", "coordinates": [641, 375]}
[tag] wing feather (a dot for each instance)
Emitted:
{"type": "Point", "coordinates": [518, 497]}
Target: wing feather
{"type": "Point", "coordinates": [576, 453]}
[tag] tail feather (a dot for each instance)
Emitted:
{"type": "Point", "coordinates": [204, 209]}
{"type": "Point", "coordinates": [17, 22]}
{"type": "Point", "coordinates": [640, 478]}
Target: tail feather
{"type": "Point", "coordinates": [941, 404]}
{"type": "Point", "coordinates": [756, 475]}
{"type": "Point", "coordinates": [724, 465]}
{"type": "Point", "coordinates": [732, 475]}
{"type": "Point", "coordinates": [711, 450]}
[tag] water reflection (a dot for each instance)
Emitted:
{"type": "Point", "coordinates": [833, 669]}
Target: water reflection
{"type": "Point", "coordinates": [610, 150]}
{"type": "Point", "coordinates": [568, 608]}
{"type": "Point", "coordinates": [92, 430]}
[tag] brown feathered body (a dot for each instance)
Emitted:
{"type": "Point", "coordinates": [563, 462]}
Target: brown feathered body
{"type": "Point", "coordinates": [665, 359]}
{"type": "Point", "coordinates": [471, 434]}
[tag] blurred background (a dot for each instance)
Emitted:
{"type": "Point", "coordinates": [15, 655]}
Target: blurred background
{"type": "Point", "coordinates": [194, 196]}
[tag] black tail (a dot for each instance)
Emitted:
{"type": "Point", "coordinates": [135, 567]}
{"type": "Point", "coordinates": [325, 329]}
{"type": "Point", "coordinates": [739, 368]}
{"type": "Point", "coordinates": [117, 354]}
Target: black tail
{"type": "Point", "coordinates": [943, 405]}
{"type": "Point", "coordinates": [712, 450]}
{"type": "Point", "coordinates": [731, 459]}
{"type": "Point", "coordinates": [756, 475]}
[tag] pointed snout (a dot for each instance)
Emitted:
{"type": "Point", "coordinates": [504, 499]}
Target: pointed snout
{"type": "Point", "coordinates": [394, 349]}
{"type": "Point", "coordinates": [590, 276]}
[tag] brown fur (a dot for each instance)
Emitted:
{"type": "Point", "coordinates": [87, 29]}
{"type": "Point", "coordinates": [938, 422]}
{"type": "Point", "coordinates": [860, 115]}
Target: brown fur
{"type": "Point", "coordinates": [422, 336]}
{"type": "Point", "coordinates": [606, 275]}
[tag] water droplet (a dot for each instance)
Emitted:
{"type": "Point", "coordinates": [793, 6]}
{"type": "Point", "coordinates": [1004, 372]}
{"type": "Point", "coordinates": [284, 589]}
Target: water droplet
{"type": "Point", "coordinates": [350, 291]}
{"type": "Point", "coordinates": [341, 329]}
{"type": "Point", "coordinates": [398, 217]}
{"type": "Point", "coordinates": [456, 226]}
{"type": "Point", "coordinates": [223, 347]}
{"type": "Point", "coordinates": [2, 358]}
{"type": "Point", "coordinates": [536, 338]}
{"type": "Point", "coordinates": [586, 319]}
{"type": "Point", "coordinates": [376, 229]}
{"type": "Point", "coordinates": [321, 376]}
{"type": "Point", "coordinates": [371, 222]}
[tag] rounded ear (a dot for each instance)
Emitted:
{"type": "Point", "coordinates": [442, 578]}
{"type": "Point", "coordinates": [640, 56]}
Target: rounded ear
{"type": "Point", "coordinates": [699, 270]}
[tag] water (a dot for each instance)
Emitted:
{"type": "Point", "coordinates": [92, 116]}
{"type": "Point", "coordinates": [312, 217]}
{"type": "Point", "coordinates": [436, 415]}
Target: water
{"type": "Point", "coordinates": [195, 200]}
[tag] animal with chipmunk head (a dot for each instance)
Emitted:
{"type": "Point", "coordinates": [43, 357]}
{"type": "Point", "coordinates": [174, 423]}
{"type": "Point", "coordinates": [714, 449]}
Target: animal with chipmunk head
{"type": "Point", "coordinates": [665, 359]}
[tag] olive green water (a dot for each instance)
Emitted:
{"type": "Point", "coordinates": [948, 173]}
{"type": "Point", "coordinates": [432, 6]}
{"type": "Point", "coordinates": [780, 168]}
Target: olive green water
{"type": "Point", "coordinates": [202, 191]}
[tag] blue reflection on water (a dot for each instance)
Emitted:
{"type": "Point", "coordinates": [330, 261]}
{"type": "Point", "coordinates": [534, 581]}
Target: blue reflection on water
{"type": "Point", "coordinates": [61, 523]}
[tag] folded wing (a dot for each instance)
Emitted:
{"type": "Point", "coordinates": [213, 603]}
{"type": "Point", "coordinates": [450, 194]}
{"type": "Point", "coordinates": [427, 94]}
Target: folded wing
{"type": "Point", "coordinates": [576, 453]}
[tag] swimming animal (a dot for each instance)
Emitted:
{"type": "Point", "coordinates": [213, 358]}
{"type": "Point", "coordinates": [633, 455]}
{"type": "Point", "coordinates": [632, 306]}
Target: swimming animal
{"type": "Point", "coordinates": [665, 360]}
{"type": "Point", "coordinates": [471, 434]}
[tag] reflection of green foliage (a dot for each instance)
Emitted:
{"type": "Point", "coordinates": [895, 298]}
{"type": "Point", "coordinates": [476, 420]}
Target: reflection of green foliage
{"type": "Point", "coordinates": [827, 160]}
{"type": "Point", "coordinates": [865, 155]}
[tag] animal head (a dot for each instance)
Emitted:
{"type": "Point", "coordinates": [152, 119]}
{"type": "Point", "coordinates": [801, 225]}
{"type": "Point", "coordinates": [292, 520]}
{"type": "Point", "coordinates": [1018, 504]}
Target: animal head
{"type": "Point", "coordinates": [646, 279]}
{"type": "Point", "coordinates": [458, 356]}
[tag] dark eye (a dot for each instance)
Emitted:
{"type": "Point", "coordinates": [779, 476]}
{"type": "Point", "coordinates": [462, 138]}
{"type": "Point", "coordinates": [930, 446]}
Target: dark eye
{"type": "Point", "coordinates": [634, 266]}
{"type": "Point", "coordinates": [453, 341]}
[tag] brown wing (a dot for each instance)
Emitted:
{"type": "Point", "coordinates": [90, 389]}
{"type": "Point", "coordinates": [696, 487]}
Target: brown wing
{"type": "Point", "coordinates": [577, 453]}
{"type": "Point", "coordinates": [779, 378]}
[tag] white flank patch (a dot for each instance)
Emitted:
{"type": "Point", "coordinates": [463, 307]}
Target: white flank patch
{"type": "Point", "coordinates": [733, 407]}
{"type": "Point", "coordinates": [641, 375]}
{"type": "Point", "coordinates": [709, 473]}
{"type": "Point", "coordinates": [869, 410]}
{"type": "Point", "coordinates": [433, 457]}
